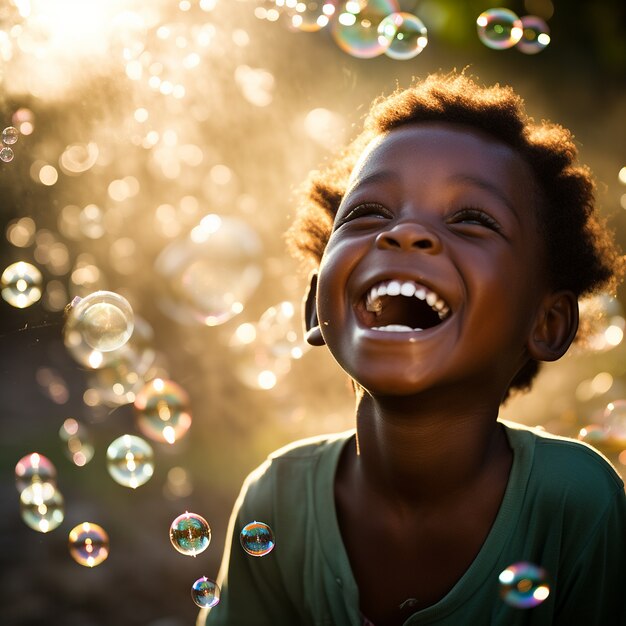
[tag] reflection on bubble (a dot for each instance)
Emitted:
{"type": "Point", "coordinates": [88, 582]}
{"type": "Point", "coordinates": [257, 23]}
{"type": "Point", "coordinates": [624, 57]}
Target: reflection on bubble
{"type": "Point", "coordinates": [78, 445]}
{"type": "Point", "coordinates": [21, 284]}
{"type": "Point", "coordinates": [103, 320]}
{"type": "Point", "coordinates": [523, 585]}
{"type": "Point", "coordinates": [535, 35]}
{"type": "Point", "coordinates": [257, 539]}
{"type": "Point", "coordinates": [355, 27]}
{"type": "Point", "coordinates": [10, 135]}
{"type": "Point", "coordinates": [41, 506]}
{"type": "Point", "coordinates": [205, 592]}
{"type": "Point", "coordinates": [499, 28]}
{"type": "Point", "coordinates": [404, 35]}
{"type": "Point", "coordinates": [190, 534]}
{"type": "Point", "coordinates": [162, 410]}
{"type": "Point", "coordinates": [130, 461]}
{"type": "Point", "coordinates": [34, 468]}
{"type": "Point", "coordinates": [88, 544]}
{"type": "Point", "coordinates": [209, 276]}
{"type": "Point", "coordinates": [312, 15]}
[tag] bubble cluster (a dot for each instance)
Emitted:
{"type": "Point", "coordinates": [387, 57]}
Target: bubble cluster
{"type": "Point", "coordinates": [41, 506]}
{"type": "Point", "coordinates": [34, 468]}
{"type": "Point", "coordinates": [205, 593]}
{"type": "Point", "coordinates": [103, 320]}
{"type": "Point", "coordinates": [162, 410]}
{"type": "Point", "coordinates": [499, 28]}
{"type": "Point", "coordinates": [88, 544]}
{"type": "Point", "coordinates": [190, 534]}
{"type": "Point", "coordinates": [257, 539]}
{"type": "Point", "coordinates": [130, 461]}
{"type": "Point", "coordinates": [535, 35]}
{"type": "Point", "coordinates": [404, 35]}
{"type": "Point", "coordinates": [21, 284]}
{"type": "Point", "coordinates": [523, 585]}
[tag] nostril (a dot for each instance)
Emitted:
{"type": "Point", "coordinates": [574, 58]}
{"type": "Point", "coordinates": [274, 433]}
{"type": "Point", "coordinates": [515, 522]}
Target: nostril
{"type": "Point", "coordinates": [423, 244]}
{"type": "Point", "coordinates": [391, 241]}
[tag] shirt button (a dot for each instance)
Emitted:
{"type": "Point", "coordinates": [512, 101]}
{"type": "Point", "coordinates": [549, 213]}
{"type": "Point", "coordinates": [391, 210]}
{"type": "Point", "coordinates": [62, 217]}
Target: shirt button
{"type": "Point", "coordinates": [338, 580]}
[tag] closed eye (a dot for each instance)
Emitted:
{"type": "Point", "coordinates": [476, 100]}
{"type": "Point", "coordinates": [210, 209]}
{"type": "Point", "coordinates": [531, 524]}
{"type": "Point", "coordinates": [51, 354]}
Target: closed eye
{"type": "Point", "coordinates": [365, 210]}
{"type": "Point", "coordinates": [475, 217]}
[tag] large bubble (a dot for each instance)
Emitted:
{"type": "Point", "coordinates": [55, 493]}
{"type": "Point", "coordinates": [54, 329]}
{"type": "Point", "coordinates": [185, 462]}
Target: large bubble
{"type": "Point", "coordinates": [405, 35]}
{"type": "Point", "coordinates": [21, 284]}
{"type": "Point", "coordinates": [499, 28]}
{"type": "Point", "coordinates": [209, 276]}
{"type": "Point", "coordinates": [130, 461]}
{"type": "Point", "coordinates": [190, 534]}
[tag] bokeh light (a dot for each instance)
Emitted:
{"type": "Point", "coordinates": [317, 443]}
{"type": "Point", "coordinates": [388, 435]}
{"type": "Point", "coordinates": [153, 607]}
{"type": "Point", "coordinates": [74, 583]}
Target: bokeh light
{"type": "Point", "coordinates": [257, 539]}
{"type": "Point", "coordinates": [88, 544]}
{"type": "Point", "coordinates": [130, 461]}
{"type": "Point", "coordinates": [205, 592]}
{"type": "Point", "coordinates": [499, 28]}
{"type": "Point", "coordinates": [524, 585]}
{"type": "Point", "coordinates": [190, 534]}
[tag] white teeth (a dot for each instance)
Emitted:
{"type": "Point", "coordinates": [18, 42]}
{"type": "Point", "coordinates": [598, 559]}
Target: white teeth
{"type": "Point", "coordinates": [420, 293]}
{"type": "Point", "coordinates": [381, 291]}
{"type": "Point", "coordinates": [393, 288]}
{"type": "Point", "coordinates": [395, 328]}
{"type": "Point", "coordinates": [431, 298]}
{"type": "Point", "coordinates": [407, 289]}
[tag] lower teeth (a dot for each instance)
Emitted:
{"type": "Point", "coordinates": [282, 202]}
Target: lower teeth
{"type": "Point", "coordinates": [395, 328]}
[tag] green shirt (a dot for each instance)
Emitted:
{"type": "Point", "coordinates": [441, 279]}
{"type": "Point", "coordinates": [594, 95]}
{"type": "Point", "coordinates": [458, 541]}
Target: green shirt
{"type": "Point", "coordinates": [564, 509]}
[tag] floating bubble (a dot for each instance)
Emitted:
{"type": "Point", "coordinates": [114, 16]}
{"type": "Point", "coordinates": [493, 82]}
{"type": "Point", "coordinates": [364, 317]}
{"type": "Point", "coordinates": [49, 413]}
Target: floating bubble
{"type": "Point", "coordinates": [312, 15]}
{"type": "Point", "coordinates": [614, 424]}
{"type": "Point", "coordinates": [103, 320]}
{"type": "Point", "coordinates": [190, 534]}
{"type": "Point", "coordinates": [34, 468]}
{"type": "Point", "coordinates": [21, 284]}
{"type": "Point", "coordinates": [499, 28]}
{"type": "Point", "coordinates": [88, 544]}
{"type": "Point", "coordinates": [404, 35]}
{"type": "Point", "coordinates": [78, 445]}
{"type": "Point", "coordinates": [595, 435]}
{"type": "Point", "coordinates": [257, 539]}
{"type": "Point", "coordinates": [355, 27]}
{"type": "Point", "coordinates": [6, 154]}
{"type": "Point", "coordinates": [524, 585]}
{"type": "Point", "coordinates": [210, 275]}
{"type": "Point", "coordinates": [535, 35]}
{"type": "Point", "coordinates": [280, 328]}
{"type": "Point", "coordinates": [10, 135]}
{"type": "Point", "coordinates": [130, 461]}
{"type": "Point", "coordinates": [602, 318]}
{"type": "Point", "coordinates": [24, 120]}
{"type": "Point", "coordinates": [41, 506]}
{"type": "Point", "coordinates": [162, 410]}
{"type": "Point", "coordinates": [205, 593]}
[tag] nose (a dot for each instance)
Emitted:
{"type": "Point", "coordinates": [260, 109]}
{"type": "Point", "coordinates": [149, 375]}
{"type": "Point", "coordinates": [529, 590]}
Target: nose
{"type": "Point", "coordinates": [409, 236]}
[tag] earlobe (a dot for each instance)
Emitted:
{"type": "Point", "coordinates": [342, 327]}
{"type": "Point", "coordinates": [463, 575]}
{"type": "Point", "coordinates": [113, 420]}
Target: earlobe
{"type": "Point", "coordinates": [555, 326]}
{"type": "Point", "coordinates": [313, 333]}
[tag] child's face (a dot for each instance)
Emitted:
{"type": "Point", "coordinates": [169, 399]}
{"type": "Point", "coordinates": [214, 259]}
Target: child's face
{"type": "Point", "coordinates": [444, 215]}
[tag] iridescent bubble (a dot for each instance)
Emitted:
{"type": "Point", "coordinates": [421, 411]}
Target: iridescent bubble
{"type": "Point", "coordinates": [10, 135]}
{"type": "Point", "coordinates": [355, 26]}
{"type": "Point", "coordinates": [103, 319]}
{"type": "Point", "coordinates": [523, 585]}
{"type": "Point", "coordinates": [78, 445]}
{"type": "Point", "coordinates": [205, 593]}
{"type": "Point", "coordinates": [190, 534]}
{"type": "Point", "coordinates": [535, 35]}
{"type": "Point", "coordinates": [6, 154]}
{"type": "Point", "coordinates": [257, 539]}
{"type": "Point", "coordinates": [403, 34]}
{"type": "Point", "coordinates": [162, 410]}
{"type": "Point", "coordinates": [41, 506]}
{"type": "Point", "coordinates": [280, 328]}
{"type": "Point", "coordinates": [312, 15]}
{"type": "Point", "coordinates": [130, 461]}
{"type": "Point", "coordinates": [602, 317]}
{"type": "Point", "coordinates": [499, 28]}
{"type": "Point", "coordinates": [209, 276]}
{"type": "Point", "coordinates": [21, 284]}
{"type": "Point", "coordinates": [34, 468]}
{"type": "Point", "coordinates": [595, 435]}
{"type": "Point", "coordinates": [88, 544]}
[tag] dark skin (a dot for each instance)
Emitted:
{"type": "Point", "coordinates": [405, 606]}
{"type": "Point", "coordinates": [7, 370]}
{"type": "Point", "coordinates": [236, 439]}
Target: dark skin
{"type": "Point", "coordinates": [450, 211]}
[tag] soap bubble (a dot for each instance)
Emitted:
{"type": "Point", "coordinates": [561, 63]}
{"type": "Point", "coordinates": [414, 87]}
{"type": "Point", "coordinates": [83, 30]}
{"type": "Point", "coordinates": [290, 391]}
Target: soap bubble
{"type": "Point", "coordinates": [205, 593]}
{"type": "Point", "coordinates": [523, 585]}
{"type": "Point", "coordinates": [535, 35]}
{"type": "Point", "coordinates": [355, 27]}
{"type": "Point", "coordinates": [21, 284]}
{"type": "Point", "coordinates": [10, 135]}
{"type": "Point", "coordinates": [614, 424]}
{"type": "Point", "coordinates": [499, 28]}
{"type": "Point", "coordinates": [89, 544]}
{"type": "Point", "coordinates": [257, 539]}
{"type": "Point", "coordinates": [34, 468]}
{"type": "Point", "coordinates": [103, 320]}
{"type": "Point", "coordinates": [130, 461]}
{"type": "Point", "coordinates": [312, 15]}
{"type": "Point", "coordinates": [78, 445]}
{"type": "Point", "coordinates": [6, 154]}
{"type": "Point", "coordinates": [190, 534]}
{"type": "Point", "coordinates": [404, 35]}
{"type": "Point", "coordinates": [209, 276]}
{"type": "Point", "coordinates": [602, 317]}
{"type": "Point", "coordinates": [41, 505]}
{"type": "Point", "coordinates": [595, 435]}
{"type": "Point", "coordinates": [280, 329]}
{"type": "Point", "coordinates": [162, 410]}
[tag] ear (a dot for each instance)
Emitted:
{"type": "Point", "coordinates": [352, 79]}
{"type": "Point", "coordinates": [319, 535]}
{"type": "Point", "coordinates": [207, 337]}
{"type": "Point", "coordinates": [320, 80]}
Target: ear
{"type": "Point", "coordinates": [555, 326]}
{"type": "Point", "coordinates": [313, 334]}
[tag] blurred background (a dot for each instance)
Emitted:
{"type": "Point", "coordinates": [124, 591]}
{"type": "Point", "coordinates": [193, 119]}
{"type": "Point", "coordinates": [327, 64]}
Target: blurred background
{"type": "Point", "coordinates": [151, 150]}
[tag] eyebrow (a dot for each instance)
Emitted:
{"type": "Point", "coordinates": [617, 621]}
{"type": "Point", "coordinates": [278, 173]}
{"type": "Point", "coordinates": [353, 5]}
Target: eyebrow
{"type": "Point", "coordinates": [375, 177]}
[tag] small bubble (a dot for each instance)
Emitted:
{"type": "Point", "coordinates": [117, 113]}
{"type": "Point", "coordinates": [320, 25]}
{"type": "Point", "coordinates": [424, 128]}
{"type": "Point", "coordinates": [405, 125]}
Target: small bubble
{"type": "Point", "coordinates": [535, 35]}
{"type": "Point", "coordinates": [41, 506]}
{"type": "Point", "coordinates": [257, 539]}
{"type": "Point", "coordinates": [499, 28]}
{"type": "Point", "coordinates": [34, 468]}
{"type": "Point", "coordinates": [523, 585]}
{"type": "Point", "coordinates": [205, 593]}
{"type": "Point", "coordinates": [130, 461]}
{"type": "Point", "coordinates": [10, 135]}
{"type": "Point", "coordinates": [6, 155]}
{"type": "Point", "coordinates": [405, 35]}
{"type": "Point", "coordinates": [190, 534]}
{"type": "Point", "coordinates": [89, 544]}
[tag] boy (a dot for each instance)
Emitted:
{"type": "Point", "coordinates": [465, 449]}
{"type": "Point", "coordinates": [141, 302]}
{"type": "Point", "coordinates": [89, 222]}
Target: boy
{"type": "Point", "coordinates": [453, 239]}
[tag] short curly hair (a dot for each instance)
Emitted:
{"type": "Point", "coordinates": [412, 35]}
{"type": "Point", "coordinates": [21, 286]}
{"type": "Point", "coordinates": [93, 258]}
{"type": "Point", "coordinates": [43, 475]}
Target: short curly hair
{"type": "Point", "coordinates": [582, 253]}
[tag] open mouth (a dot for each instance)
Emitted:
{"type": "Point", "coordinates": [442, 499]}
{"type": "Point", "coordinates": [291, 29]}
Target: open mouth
{"type": "Point", "coordinates": [402, 306]}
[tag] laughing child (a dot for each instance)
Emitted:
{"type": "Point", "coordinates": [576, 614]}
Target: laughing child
{"type": "Point", "coordinates": [451, 241]}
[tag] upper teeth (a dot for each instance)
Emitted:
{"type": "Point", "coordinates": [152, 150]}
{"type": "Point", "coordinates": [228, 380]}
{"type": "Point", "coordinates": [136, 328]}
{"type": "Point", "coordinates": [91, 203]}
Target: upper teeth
{"type": "Point", "coordinates": [406, 288]}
